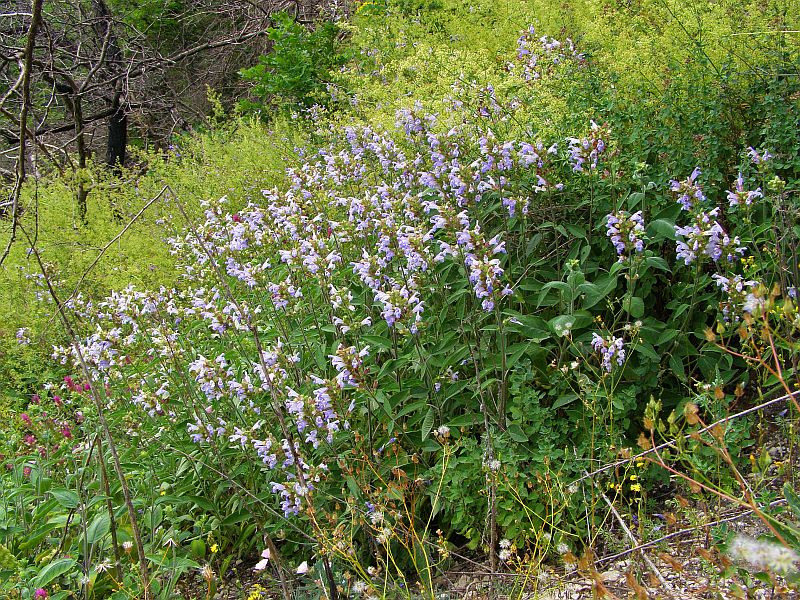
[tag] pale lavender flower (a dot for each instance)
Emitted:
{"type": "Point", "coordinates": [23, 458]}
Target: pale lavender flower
{"type": "Point", "coordinates": [689, 191]}
{"type": "Point", "coordinates": [757, 157]}
{"type": "Point", "coordinates": [739, 195]}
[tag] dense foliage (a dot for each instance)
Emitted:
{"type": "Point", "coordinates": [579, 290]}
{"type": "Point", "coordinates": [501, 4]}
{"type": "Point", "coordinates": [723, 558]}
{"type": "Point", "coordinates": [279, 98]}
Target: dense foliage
{"type": "Point", "coordinates": [417, 312]}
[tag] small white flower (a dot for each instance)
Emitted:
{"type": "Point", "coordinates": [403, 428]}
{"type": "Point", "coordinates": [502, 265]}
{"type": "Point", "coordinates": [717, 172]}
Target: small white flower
{"type": "Point", "coordinates": [562, 548]}
{"type": "Point", "coordinates": [504, 554]}
{"type": "Point", "coordinates": [505, 543]}
{"type": "Point", "coordinates": [103, 566]}
{"type": "Point", "coordinates": [302, 569]}
{"type": "Point", "coordinates": [444, 431]}
{"type": "Point", "coordinates": [494, 465]}
{"type": "Point", "coordinates": [359, 587]}
{"type": "Point", "coordinates": [384, 536]}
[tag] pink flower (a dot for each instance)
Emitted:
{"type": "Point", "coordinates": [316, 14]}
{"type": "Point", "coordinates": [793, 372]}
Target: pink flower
{"type": "Point", "coordinates": [26, 471]}
{"type": "Point", "coordinates": [57, 400]}
{"type": "Point", "coordinates": [40, 593]}
{"type": "Point", "coordinates": [66, 432]}
{"type": "Point", "coordinates": [26, 419]}
{"type": "Point", "coordinates": [262, 564]}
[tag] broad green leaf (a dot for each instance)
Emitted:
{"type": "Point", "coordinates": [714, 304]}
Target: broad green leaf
{"type": "Point", "coordinates": [564, 400]}
{"type": "Point", "coordinates": [202, 503]}
{"type": "Point", "coordinates": [658, 263]}
{"type": "Point", "coordinates": [52, 571]}
{"type": "Point", "coordinates": [98, 528]}
{"type": "Point", "coordinates": [634, 306]}
{"type": "Point", "coordinates": [662, 228]}
{"type": "Point", "coordinates": [594, 292]}
{"type": "Point", "coordinates": [516, 433]}
{"type": "Point", "coordinates": [377, 341]}
{"type": "Point", "coordinates": [66, 498]}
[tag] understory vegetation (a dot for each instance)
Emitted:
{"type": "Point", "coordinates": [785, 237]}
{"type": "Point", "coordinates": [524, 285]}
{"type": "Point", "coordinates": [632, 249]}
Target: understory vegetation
{"type": "Point", "coordinates": [497, 283]}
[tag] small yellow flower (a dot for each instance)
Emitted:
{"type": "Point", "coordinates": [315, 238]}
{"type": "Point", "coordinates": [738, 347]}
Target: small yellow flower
{"type": "Point", "coordinates": [214, 548]}
{"type": "Point", "coordinates": [636, 487]}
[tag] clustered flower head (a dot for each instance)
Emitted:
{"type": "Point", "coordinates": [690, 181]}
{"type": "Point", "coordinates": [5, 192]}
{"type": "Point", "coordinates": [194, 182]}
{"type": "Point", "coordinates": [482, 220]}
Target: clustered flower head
{"type": "Point", "coordinates": [626, 232]}
{"type": "Point", "coordinates": [585, 152]}
{"type": "Point", "coordinates": [506, 550]}
{"type": "Point", "coordinates": [689, 191]}
{"type": "Point", "coordinates": [758, 158]}
{"type": "Point", "coordinates": [740, 195]}
{"type": "Point", "coordinates": [610, 349]}
{"type": "Point", "coordinates": [704, 236]}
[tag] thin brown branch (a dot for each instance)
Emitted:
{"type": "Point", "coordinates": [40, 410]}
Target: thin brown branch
{"type": "Point", "coordinates": [30, 45]}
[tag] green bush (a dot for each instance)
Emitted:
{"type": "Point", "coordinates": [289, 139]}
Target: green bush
{"type": "Point", "coordinates": [297, 69]}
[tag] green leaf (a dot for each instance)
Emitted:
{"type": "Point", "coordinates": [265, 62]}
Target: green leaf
{"type": "Point", "coordinates": [35, 538]}
{"type": "Point", "coordinates": [66, 498]}
{"type": "Point", "coordinates": [377, 341]}
{"type": "Point", "coordinates": [236, 517]}
{"type": "Point", "coordinates": [52, 571]}
{"type": "Point", "coordinates": [594, 292]}
{"type": "Point", "coordinates": [657, 263]}
{"type": "Point", "coordinates": [676, 364]}
{"type": "Point", "coordinates": [792, 498]}
{"type": "Point", "coordinates": [202, 503]}
{"type": "Point", "coordinates": [666, 336]}
{"type": "Point", "coordinates": [427, 424]}
{"type": "Point", "coordinates": [572, 322]}
{"type": "Point", "coordinates": [564, 400]}
{"type": "Point", "coordinates": [662, 228]}
{"type": "Point", "coordinates": [98, 528]}
{"type": "Point", "coordinates": [576, 230]}
{"type": "Point", "coordinates": [560, 285]}
{"type": "Point", "coordinates": [413, 407]}
{"type": "Point", "coordinates": [634, 306]}
{"type": "Point", "coordinates": [516, 433]}
{"type": "Point", "coordinates": [532, 327]}
{"type": "Point", "coordinates": [466, 420]}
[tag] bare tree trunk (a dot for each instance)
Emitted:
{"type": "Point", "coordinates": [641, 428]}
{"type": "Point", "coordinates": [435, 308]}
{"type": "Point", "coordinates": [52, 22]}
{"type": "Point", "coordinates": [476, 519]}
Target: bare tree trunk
{"type": "Point", "coordinates": [117, 138]}
{"type": "Point", "coordinates": [72, 99]}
